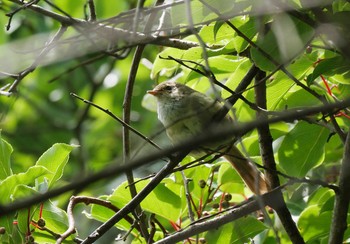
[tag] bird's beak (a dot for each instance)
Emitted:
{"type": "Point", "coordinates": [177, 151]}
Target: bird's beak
{"type": "Point", "coordinates": [153, 92]}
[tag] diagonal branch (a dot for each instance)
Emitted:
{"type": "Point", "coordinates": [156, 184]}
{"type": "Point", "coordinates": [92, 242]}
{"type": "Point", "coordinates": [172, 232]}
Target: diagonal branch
{"type": "Point", "coordinates": [239, 211]}
{"type": "Point", "coordinates": [117, 119]}
{"type": "Point", "coordinates": [136, 200]}
{"type": "Point", "coordinates": [48, 47]}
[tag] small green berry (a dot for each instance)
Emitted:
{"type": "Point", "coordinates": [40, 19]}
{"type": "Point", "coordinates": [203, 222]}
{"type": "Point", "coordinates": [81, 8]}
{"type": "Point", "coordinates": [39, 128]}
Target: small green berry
{"type": "Point", "coordinates": [228, 197]}
{"type": "Point", "coordinates": [41, 222]}
{"type": "Point", "coordinates": [215, 205]}
{"type": "Point", "coordinates": [202, 183]}
{"type": "Point", "coordinates": [225, 204]}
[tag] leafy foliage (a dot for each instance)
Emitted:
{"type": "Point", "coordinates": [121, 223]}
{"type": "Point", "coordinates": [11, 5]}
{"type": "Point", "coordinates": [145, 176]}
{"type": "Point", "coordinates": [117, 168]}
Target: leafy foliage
{"type": "Point", "coordinates": [39, 178]}
{"type": "Point", "coordinates": [299, 47]}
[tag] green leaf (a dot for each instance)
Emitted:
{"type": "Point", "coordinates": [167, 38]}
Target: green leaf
{"type": "Point", "coordinates": [283, 42]}
{"type": "Point", "coordinates": [55, 218]}
{"type": "Point", "coordinates": [229, 180]}
{"type": "Point", "coordinates": [282, 91]}
{"type": "Point", "coordinates": [54, 160]}
{"type": "Point", "coordinates": [196, 175]}
{"type": "Point", "coordinates": [222, 34]}
{"type": "Point", "coordinates": [320, 196]}
{"type": "Point", "coordinates": [198, 14]}
{"type": "Point", "coordinates": [340, 5]}
{"type": "Point", "coordinates": [332, 66]}
{"type": "Point", "coordinates": [248, 27]}
{"type": "Point", "coordinates": [236, 75]}
{"type": "Point", "coordinates": [343, 78]}
{"type": "Point", "coordinates": [222, 64]}
{"type": "Point", "coordinates": [314, 225]}
{"type": "Point", "coordinates": [7, 222]}
{"type": "Point", "coordinates": [296, 97]}
{"type": "Point", "coordinates": [164, 67]}
{"type": "Point", "coordinates": [164, 200]}
{"type": "Point", "coordinates": [239, 231]}
{"type": "Point", "coordinates": [277, 90]}
{"type": "Point", "coordinates": [304, 64]}
{"type": "Point", "coordinates": [218, 33]}
{"type": "Point", "coordinates": [251, 142]}
{"type": "Point", "coordinates": [5, 154]}
{"type": "Point", "coordinates": [243, 111]}
{"type": "Point", "coordinates": [194, 54]}
{"type": "Point", "coordinates": [8, 185]}
{"type": "Point", "coordinates": [217, 27]}
{"type": "Point", "coordinates": [302, 149]}
{"type": "Point", "coordinates": [328, 204]}
{"type": "Point", "coordinates": [24, 216]}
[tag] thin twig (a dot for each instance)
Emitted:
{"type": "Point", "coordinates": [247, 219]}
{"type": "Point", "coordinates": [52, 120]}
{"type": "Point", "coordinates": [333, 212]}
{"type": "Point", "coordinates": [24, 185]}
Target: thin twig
{"type": "Point", "coordinates": [92, 10]}
{"type": "Point", "coordinates": [117, 119]}
{"type": "Point", "coordinates": [50, 45]}
{"type": "Point", "coordinates": [79, 65]}
{"type": "Point", "coordinates": [24, 6]}
{"type": "Point", "coordinates": [188, 196]}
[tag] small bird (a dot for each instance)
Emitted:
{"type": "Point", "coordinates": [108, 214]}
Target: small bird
{"type": "Point", "coordinates": [185, 113]}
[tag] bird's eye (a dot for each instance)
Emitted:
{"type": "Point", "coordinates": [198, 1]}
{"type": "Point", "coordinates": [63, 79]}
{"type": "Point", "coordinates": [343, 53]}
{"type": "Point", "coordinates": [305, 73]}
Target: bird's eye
{"type": "Point", "coordinates": [168, 88]}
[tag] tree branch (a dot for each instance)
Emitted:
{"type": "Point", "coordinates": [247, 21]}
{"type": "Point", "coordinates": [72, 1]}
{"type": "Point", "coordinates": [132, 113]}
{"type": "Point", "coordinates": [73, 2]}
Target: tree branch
{"type": "Point", "coordinates": [126, 135]}
{"type": "Point", "coordinates": [136, 200]}
{"type": "Point", "coordinates": [266, 150]}
{"type": "Point", "coordinates": [74, 200]}
{"type": "Point", "coordinates": [249, 206]}
{"type": "Point", "coordinates": [342, 199]}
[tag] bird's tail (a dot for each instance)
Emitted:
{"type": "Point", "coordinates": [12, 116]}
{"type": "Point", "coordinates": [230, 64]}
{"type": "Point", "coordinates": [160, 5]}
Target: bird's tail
{"type": "Point", "coordinates": [253, 178]}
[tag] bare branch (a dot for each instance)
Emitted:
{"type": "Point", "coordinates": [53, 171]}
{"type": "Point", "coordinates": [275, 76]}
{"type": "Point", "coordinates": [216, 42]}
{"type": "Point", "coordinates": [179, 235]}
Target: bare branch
{"type": "Point", "coordinates": [342, 199]}
{"type": "Point", "coordinates": [74, 200]}
{"type": "Point", "coordinates": [266, 151]}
